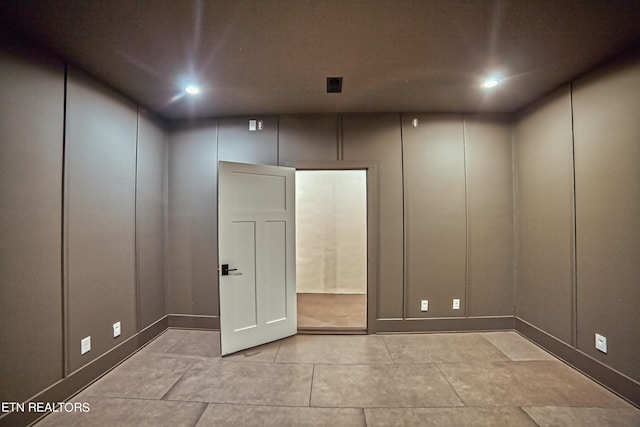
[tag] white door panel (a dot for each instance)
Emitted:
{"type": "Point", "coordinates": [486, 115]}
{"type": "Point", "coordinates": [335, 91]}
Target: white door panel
{"type": "Point", "coordinates": [256, 232]}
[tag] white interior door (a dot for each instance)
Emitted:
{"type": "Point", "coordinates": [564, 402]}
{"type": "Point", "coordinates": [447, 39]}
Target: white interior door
{"type": "Point", "coordinates": [256, 249]}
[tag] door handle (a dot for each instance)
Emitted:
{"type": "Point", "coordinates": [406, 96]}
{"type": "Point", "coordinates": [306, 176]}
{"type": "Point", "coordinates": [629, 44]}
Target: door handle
{"type": "Point", "coordinates": [226, 269]}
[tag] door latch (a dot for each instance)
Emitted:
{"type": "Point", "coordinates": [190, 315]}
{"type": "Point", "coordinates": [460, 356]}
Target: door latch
{"type": "Point", "coordinates": [226, 269]}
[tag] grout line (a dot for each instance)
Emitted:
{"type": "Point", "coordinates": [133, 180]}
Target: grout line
{"type": "Point", "coordinates": [179, 379]}
{"type": "Point", "coordinates": [526, 414]}
{"type": "Point", "coordinates": [313, 374]}
{"type": "Point", "coordinates": [204, 409]}
{"type": "Point", "coordinates": [437, 365]}
{"type": "Point", "coordinates": [384, 340]}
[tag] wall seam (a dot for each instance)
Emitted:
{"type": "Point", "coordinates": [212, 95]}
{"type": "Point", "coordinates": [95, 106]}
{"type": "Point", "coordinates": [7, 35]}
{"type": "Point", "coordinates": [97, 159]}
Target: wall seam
{"type": "Point", "coordinates": [574, 272]}
{"type": "Point", "coordinates": [135, 225]}
{"type": "Point", "coordinates": [516, 225]}
{"type": "Point", "coordinates": [277, 141]}
{"type": "Point", "coordinates": [404, 224]}
{"type": "Point", "coordinates": [340, 141]}
{"type": "Point", "coordinates": [466, 218]}
{"type": "Point", "coordinates": [64, 291]}
{"type": "Point", "coordinates": [165, 212]}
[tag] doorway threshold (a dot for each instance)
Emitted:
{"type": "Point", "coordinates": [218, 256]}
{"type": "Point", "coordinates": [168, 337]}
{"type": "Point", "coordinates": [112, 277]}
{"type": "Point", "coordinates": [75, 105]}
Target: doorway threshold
{"type": "Point", "coordinates": [331, 331]}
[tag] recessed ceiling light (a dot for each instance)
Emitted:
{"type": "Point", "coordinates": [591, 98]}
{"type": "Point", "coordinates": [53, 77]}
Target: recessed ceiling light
{"type": "Point", "coordinates": [192, 89]}
{"type": "Point", "coordinates": [490, 83]}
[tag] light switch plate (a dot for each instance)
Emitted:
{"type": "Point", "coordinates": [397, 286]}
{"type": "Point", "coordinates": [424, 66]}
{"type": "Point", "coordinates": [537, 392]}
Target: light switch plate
{"type": "Point", "coordinates": [116, 329]}
{"type": "Point", "coordinates": [253, 125]}
{"type": "Point", "coordinates": [456, 304]}
{"type": "Point", "coordinates": [601, 343]}
{"type": "Point", "coordinates": [424, 305]}
{"type": "Point", "coordinates": [85, 345]}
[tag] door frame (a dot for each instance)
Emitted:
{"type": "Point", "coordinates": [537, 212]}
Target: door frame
{"type": "Point", "coordinates": [373, 228]}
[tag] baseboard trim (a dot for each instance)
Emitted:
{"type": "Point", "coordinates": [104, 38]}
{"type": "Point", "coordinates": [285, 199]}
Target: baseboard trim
{"type": "Point", "coordinates": [613, 380]}
{"type": "Point", "coordinates": [190, 321]}
{"type": "Point", "coordinates": [457, 324]}
{"type": "Point", "coordinates": [78, 380]}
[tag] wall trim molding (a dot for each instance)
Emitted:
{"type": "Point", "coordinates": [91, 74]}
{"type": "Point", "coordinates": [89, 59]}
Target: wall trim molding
{"type": "Point", "coordinates": [79, 379]}
{"type": "Point", "coordinates": [192, 321]}
{"type": "Point", "coordinates": [448, 324]}
{"type": "Point", "coordinates": [604, 375]}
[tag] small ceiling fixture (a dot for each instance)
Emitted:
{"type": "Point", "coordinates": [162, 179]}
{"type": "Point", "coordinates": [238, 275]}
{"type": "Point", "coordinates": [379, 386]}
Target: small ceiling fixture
{"type": "Point", "coordinates": [493, 82]}
{"type": "Point", "coordinates": [192, 89]}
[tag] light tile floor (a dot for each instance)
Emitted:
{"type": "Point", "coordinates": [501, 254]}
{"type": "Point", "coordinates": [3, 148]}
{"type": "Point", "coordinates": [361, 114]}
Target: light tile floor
{"type": "Point", "coordinates": [451, 379]}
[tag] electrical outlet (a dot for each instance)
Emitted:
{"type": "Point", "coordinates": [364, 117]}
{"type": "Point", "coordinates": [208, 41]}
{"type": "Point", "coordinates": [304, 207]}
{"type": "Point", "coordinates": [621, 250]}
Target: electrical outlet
{"type": "Point", "coordinates": [424, 305]}
{"type": "Point", "coordinates": [85, 345]}
{"type": "Point", "coordinates": [601, 343]}
{"type": "Point", "coordinates": [456, 304]}
{"type": "Point", "coordinates": [116, 329]}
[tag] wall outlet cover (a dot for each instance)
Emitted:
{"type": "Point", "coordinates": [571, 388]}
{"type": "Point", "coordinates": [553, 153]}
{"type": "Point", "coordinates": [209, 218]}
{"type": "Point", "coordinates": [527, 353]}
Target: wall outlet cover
{"type": "Point", "coordinates": [424, 305]}
{"type": "Point", "coordinates": [116, 329]}
{"type": "Point", "coordinates": [85, 345]}
{"type": "Point", "coordinates": [456, 304]}
{"type": "Point", "coordinates": [601, 343]}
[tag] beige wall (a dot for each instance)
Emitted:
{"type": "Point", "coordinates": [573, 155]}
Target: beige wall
{"type": "Point", "coordinates": [455, 189]}
{"type": "Point", "coordinates": [82, 194]}
{"type": "Point", "coordinates": [606, 114]}
{"type": "Point", "coordinates": [544, 214]}
{"type": "Point", "coordinates": [446, 181]}
{"type": "Point", "coordinates": [331, 231]}
{"type": "Point", "coordinates": [578, 256]}
{"type": "Point", "coordinates": [31, 147]}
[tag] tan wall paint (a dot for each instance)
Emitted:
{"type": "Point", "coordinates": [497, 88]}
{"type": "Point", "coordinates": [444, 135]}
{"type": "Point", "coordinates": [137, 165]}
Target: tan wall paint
{"type": "Point", "coordinates": [490, 236]}
{"type": "Point", "coordinates": [150, 220]}
{"type": "Point", "coordinates": [236, 143]}
{"type": "Point", "coordinates": [31, 137]}
{"type": "Point", "coordinates": [545, 215]}
{"type": "Point", "coordinates": [434, 206]}
{"type": "Point", "coordinates": [377, 138]}
{"type": "Point", "coordinates": [331, 231]}
{"type": "Point", "coordinates": [606, 107]}
{"type": "Point", "coordinates": [193, 224]}
{"type": "Point", "coordinates": [100, 173]}
{"type": "Point", "coordinates": [544, 289]}
{"type": "Point", "coordinates": [306, 139]}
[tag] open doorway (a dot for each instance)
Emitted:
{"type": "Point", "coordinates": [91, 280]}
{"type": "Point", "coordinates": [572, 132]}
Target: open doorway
{"type": "Point", "coordinates": [331, 249]}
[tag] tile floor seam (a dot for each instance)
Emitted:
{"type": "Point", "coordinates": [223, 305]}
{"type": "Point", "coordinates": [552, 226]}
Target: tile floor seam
{"type": "Point", "coordinates": [386, 344]}
{"type": "Point", "coordinates": [206, 405]}
{"type": "Point", "coordinates": [177, 342]}
{"type": "Point", "coordinates": [178, 381]}
{"type": "Point", "coordinates": [275, 358]}
{"type": "Point", "coordinates": [450, 385]}
{"type": "Point", "coordinates": [494, 346]}
{"type": "Point", "coordinates": [528, 415]}
{"type": "Point", "coordinates": [313, 372]}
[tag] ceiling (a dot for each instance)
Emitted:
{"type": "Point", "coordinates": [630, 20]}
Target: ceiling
{"type": "Point", "coordinates": [273, 56]}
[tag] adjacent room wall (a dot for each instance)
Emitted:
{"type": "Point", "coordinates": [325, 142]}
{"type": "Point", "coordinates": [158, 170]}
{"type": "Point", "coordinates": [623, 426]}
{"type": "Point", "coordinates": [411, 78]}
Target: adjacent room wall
{"type": "Point", "coordinates": [331, 231]}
